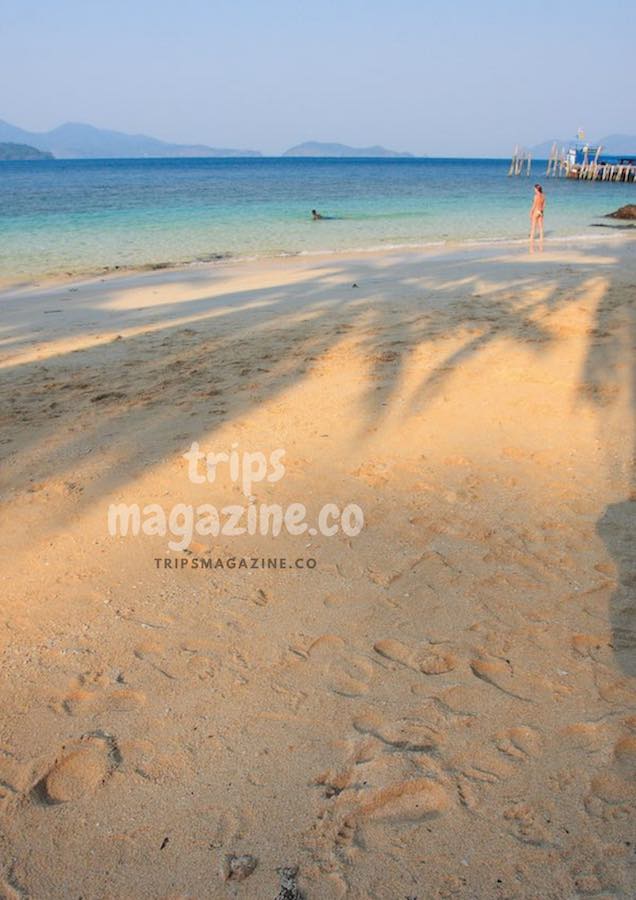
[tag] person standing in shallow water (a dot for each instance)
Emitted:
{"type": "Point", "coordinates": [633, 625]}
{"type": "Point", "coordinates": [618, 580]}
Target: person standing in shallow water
{"type": "Point", "coordinates": [536, 215]}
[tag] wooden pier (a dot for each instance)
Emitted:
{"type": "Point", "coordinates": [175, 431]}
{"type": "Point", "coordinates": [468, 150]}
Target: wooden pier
{"type": "Point", "coordinates": [521, 159]}
{"type": "Point", "coordinates": [591, 167]}
{"type": "Point", "coordinates": [582, 163]}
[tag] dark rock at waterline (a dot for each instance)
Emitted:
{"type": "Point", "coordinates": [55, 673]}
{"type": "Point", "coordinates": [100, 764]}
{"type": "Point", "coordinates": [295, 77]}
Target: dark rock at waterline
{"type": "Point", "coordinates": [625, 212]}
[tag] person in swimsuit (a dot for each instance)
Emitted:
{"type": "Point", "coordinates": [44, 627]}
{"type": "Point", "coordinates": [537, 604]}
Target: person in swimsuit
{"type": "Point", "coordinates": [536, 214]}
{"type": "Point", "coordinates": [315, 215]}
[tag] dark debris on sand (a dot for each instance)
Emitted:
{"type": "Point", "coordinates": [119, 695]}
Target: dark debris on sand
{"type": "Point", "coordinates": [289, 890]}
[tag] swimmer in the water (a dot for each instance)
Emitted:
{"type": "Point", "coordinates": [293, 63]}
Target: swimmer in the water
{"type": "Point", "coordinates": [315, 215]}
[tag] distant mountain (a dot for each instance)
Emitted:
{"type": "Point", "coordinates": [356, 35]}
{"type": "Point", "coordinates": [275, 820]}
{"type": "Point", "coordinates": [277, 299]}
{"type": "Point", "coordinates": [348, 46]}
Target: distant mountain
{"type": "Point", "coordinates": [78, 141]}
{"type": "Point", "coordinates": [613, 145]}
{"type": "Point", "coordinates": [315, 148]}
{"type": "Point", "coordinates": [22, 151]}
{"type": "Point", "coordinates": [619, 144]}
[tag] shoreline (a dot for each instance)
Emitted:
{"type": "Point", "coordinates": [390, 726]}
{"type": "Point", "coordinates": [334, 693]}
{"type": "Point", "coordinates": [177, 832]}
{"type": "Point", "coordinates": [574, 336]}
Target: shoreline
{"type": "Point", "coordinates": [50, 281]}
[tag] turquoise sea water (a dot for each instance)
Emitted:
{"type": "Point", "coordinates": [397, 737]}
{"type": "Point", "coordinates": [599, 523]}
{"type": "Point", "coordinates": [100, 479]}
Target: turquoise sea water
{"type": "Point", "coordinates": [80, 216]}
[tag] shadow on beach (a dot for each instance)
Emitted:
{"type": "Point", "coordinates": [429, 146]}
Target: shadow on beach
{"type": "Point", "coordinates": [142, 381]}
{"type": "Point", "coordinates": [617, 528]}
{"type": "Point", "coordinates": [167, 372]}
{"type": "Point", "coordinates": [611, 361]}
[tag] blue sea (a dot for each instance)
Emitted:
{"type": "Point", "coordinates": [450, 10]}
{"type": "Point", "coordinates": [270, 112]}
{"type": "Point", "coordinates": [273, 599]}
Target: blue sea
{"type": "Point", "coordinates": [85, 216]}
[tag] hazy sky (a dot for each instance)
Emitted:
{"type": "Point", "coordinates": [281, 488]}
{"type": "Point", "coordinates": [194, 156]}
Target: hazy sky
{"type": "Point", "coordinates": [445, 78]}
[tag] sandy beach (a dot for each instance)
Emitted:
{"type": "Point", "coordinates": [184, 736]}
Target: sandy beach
{"type": "Point", "coordinates": [441, 706]}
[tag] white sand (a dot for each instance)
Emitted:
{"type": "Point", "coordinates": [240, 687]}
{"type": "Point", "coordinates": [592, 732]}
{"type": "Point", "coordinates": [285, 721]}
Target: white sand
{"type": "Point", "coordinates": [444, 706]}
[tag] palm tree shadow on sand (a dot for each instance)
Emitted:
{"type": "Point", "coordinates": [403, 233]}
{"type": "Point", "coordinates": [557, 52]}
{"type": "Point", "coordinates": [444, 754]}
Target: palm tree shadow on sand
{"type": "Point", "coordinates": [190, 386]}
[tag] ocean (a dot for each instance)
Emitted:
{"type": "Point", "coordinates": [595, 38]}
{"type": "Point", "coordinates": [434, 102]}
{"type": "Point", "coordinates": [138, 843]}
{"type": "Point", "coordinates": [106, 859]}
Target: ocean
{"type": "Point", "coordinates": [86, 216]}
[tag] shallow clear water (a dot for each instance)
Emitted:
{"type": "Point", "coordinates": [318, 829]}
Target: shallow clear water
{"type": "Point", "coordinates": [81, 215]}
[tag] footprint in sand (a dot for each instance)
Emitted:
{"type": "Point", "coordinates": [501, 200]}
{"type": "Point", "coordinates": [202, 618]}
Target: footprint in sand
{"type": "Point", "coordinates": [625, 753]}
{"type": "Point", "coordinates": [192, 659]}
{"type": "Point", "coordinates": [340, 669]}
{"type": "Point", "coordinates": [501, 674]}
{"type": "Point", "coordinates": [232, 828]}
{"type": "Point", "coordinates": [405, 801]}
{"type": "Point", "coordinates": [437, 663]}
{"type": "Point", "coordinates": [480, 765]}
{"type": "Point", "coordinates": [612, 795]}
{"type": "Point", "coordinates": [463, 700]}
{"type": "Point", "coordinates": [157, 766]}
{"type": "Point", "coordinates": [385, 789]}
{"type": "Point", "coordinates": [409, 733]}
{"type": "Point", "coordinates": [594, 646]}
{"type": "Point", "coordinates": [79, 770]}
{"type": "Point", "coordinates": [615, 691]}
{"type": "Point", "coordinates": [590, 737]}
{"type": "Point", "coordinates": [520, 742]}
{"type": "Point", "coordinates": [528, 825]}
{"type": "Point", "coordinates": [389, 775]}
{"type": "Point", "coordinates": [429, 661]}
{"type": "Point", "coordinates": [81, 702]}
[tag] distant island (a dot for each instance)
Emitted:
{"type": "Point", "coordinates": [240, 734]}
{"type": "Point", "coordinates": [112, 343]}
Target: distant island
{"type": "Point", "coordinates": [78, 141]}
{"type": "Point", "coordinates": [22, 151]}
{"type": "Point", "coordinates": [315, 148]}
